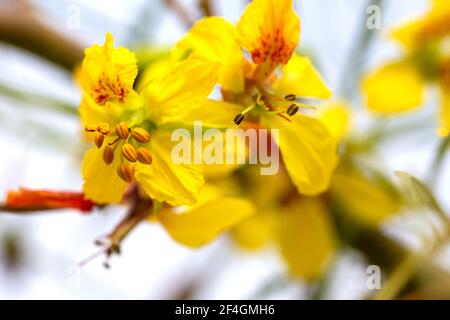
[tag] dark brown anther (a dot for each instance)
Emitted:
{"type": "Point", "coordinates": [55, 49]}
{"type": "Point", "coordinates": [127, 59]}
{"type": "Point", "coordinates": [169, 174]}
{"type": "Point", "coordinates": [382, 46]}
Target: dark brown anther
{"type": "Point", "coordinates": [292, 110]}
{"type": "Point", "coordinates": [238, 119]}
{"type": "Point", "coordinates": [290, 97]}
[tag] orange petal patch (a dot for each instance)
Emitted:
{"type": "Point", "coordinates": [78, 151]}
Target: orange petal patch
{"type": "Point", "coordinates": [44, 199]}
{"type": "Point", "coordinates": [269, 30]}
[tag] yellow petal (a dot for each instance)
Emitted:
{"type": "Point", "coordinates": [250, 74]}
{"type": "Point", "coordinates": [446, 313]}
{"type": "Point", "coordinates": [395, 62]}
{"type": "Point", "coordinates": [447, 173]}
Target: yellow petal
{"type": "Point", "coordinates": [444, 115]}
{"type": "Point", "coordinates": [336, 118]}
{"type": "Point", "coordinates": [107, 73]}
{"type": "Point", "coordinates": [216, 114]}
{"type": "Point", "coordinates": [101, 183]}
{"type": "Point", "coordinates": [255, 231]}
{"type": "Point", "coordinates": [394, 88]}
{"type": "Point", "coordinates": [269, 30]}
{"type": "Point", "coordinates": [367, 201]}
{"type": "Point", "coordinates": [214, 38]}
{"type": "Point", "coordinates": [302, 79]}
{"type": "Point", "coordinates": [202, 224]}
{"type": "Point", "coordinates": [308, 150]}
{"type": "Point", "coordinates": [163, 180]}
{"type": "Point", "coordinates": [173, 93]}
{"type": "Point", "coordinates": [111, 113]}
{"type": "Point", "coordinates": [408, 34]}
{"type": "Point", "coordinates": [306, 238]}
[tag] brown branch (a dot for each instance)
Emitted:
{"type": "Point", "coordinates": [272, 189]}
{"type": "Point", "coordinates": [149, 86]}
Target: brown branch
{"type": "Point", "coordinates": [180, 12]}
{"type": "Point", "coordinates": [21, 27]}
{"type": "Point", "coordinates": [206, 7]}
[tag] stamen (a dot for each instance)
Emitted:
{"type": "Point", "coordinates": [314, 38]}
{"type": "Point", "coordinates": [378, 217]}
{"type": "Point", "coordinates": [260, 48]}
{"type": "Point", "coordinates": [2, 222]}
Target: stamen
{"type": "Point", "coordinates": [103, 128]}
{"type": "Point", "coordinates": [144, 156]}
{"type": "Point", "coordinates": [238, 119]}
{"type": "Point", "coordinates": [99, 138]}
{"type": "Point", "coordinates": [140, 135]}
{"type": "Point", "coordinates": [122, 130]}
{"type": "Point", "coordinates": [292, 110]}
{"type": "Point", "coordinates": [307, 106]}
{"type": "Point", "coordinates": [114, 141]}
{"type": "Point", "coordinates": [290, 97]}
{"type": "Point", "coordinates": [129, 152]}
{"type": "Point", "coordinates": [126, 172]}
{"type": "Point", "coordinates": [108, 155]}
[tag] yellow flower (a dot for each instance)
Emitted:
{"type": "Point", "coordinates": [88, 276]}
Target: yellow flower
{"type": "Point", "coordinates": [367, 200]}
{"type": "Point", "coordinates": [201, 223]}
{"type": "Point", "coordinates": [131, 130]}
{"type": "Point", "coordinates": [336, 118]}
{"type": "Point", "coordinates": [399, 86]}
{"type": "Point", "coordinates": [269, 31]}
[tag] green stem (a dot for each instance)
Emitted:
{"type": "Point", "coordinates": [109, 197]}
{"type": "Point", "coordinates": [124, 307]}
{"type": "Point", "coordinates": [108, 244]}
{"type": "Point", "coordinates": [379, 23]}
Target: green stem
{"type": "Point", "coordinates": [46, 102]}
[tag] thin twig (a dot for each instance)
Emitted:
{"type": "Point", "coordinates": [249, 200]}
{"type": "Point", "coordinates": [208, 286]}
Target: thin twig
{"type": "Point", "coordinates": [206, 7]}
{"type": "Point", "coordinates": [181, 12]}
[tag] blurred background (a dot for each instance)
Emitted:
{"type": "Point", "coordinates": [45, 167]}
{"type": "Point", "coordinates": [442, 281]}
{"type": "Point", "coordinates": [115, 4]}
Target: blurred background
{"type": "Point", "coordinates": [41, 147]}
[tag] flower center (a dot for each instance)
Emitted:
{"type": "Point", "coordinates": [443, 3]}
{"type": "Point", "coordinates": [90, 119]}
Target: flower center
{"type": "Point", "coordinates": [283, 107]}
{"type": "Point", "coordinates": [124, 142]}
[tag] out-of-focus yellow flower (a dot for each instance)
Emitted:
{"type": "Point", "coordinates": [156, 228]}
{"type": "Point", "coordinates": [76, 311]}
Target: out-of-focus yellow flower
{"type": "Point", "coordinates": [369, 201]}
{"type": "Point", "coordinates": [306, 237]}
{"type": "Point", "coordinates": [299, 227]}
{"type": "Point", "coordinates": [129, 129]}
{"type": "Point", "coordinates": [201, 223]}
{"type": "Point", "coordinates": [336, 118]}
{"type": "Point", "coordinates": [269, 31]}
{"type": "Point", "coordinates": [400, 85]}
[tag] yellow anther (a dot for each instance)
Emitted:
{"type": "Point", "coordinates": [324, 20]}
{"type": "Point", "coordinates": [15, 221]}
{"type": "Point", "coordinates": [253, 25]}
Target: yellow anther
{"type": "Point", "coordinates": [90, 128]}
{"type": "Point", "coordinates": [99, 138]}
{"type": "Point", "coordinates": [129, 152]}
{"type": "Point", "coordinates": [122, 130]}
{"type": "Point", "coordinates": [103, 128]}
{"type": "Point", "coordinates": [108, 155]}
{"type": "Point", "coordinates": [144, 156]}
{"type": "Point", "coordinates": [126, 172]}
{"type": "Point", "coordinates": [140, 135]}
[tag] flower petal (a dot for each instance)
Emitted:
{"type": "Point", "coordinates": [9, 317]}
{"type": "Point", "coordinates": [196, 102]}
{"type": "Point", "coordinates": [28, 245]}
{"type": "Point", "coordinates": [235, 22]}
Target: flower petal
{"type": "Point", "coordinates": [216, 114]}
{"type": "Point", "coordinates": [336, 118]}
{"type": "Point", "coordinates": [108, 73]}
{"type": "Point", "coordinates": [369, 202]}
{"type": "Point", "coordinates": [308, 150]}
{"type": "Point", "coordinates": [444, 116]}
{"type": "Point", "coordinates": [269, 30]}
{"type": "Point", "coordinates": [302, 79]}
{"type": "Point", "coordinates": [173, 93]}
{"type": "Point", "coordinates": [306, 238]}
{"type": "Point", "coordinates": [101, 183]}
{"type": "Point", "coordinates": [163, 180]}
{"type": "Point", "coordinates": [204, 223]}
{"type": "Point", "coordinates": [255, 231]}
{"type": "Point", "coordinates": [214, 38]}
{"type": "Point", "coordinates": [394, 88]}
